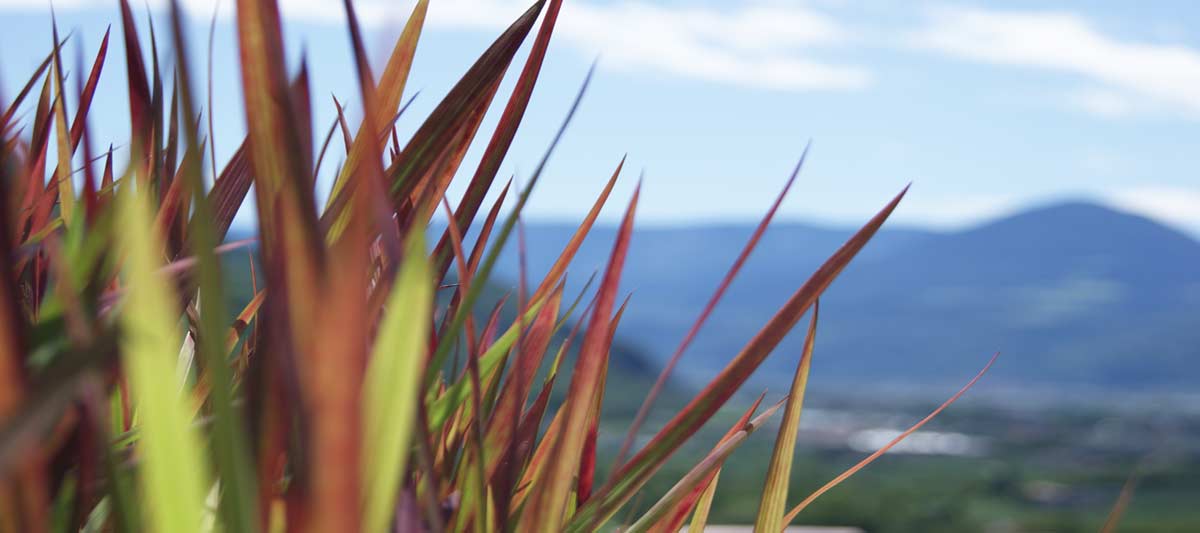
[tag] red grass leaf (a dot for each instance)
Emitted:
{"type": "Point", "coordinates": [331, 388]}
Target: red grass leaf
{"type": "Point", "coordinates": [544, 512]}
{"type": "Point", "coordinates": [632, 475]}
{"type": "Point", "coordinates": [506, 129]}
{"type": "Point", "coordinates": [139, 87]}
{"type": "Point", "coordinates": [466, 97]}
{"type": "Point", "coordinates": [661, 381]}
{"type": "Point", "coordinates": [675, 520]}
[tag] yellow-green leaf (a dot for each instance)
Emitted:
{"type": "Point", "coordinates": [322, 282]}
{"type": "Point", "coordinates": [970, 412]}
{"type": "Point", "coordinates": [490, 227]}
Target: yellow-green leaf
{"type": "Point", "coordinates": [775, 488]}
{"type": "Point", "coordinates": [173, 474]}
{"type": "Point", "coordinates": [700, 516]}
{"type": "Point", "coordinates": [393, 383]}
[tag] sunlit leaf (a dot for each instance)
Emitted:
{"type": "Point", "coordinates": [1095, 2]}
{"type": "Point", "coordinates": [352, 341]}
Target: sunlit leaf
{"type": "Point", "coordinates": [173, 472]}
{"type": "Point", "coordinates": [392, 386]}
{"type": "Point", "coordinates": [779, 471]}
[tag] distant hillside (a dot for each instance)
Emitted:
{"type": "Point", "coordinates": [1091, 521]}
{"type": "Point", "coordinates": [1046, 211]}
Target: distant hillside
{"type": "Point", "coordinates": [1073, 294]}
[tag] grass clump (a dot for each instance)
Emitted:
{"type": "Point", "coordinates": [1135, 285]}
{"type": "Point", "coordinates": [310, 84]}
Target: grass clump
{"type": "Point", "coordinates": [340, 397]}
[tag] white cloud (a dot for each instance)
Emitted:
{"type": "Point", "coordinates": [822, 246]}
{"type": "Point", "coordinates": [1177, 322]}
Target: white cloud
{"type": "Point", "coordinates": [1106, 103]}
{"type": "Point", "coordinates": [1179, 206]}
{"type": "Point", "coordinates": [756, 44]}
{"type": "Point", "coordinates": [760, 44]}
{"type": "Point", "coordinates": [1134, 76]}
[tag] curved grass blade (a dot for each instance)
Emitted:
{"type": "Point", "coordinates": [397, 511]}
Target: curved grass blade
{"type": "Point", "coordinates": [706, 487]}
{"type": "Point", "coordinates": [700, 515]}
{"type": "Point", "coordinates": [629, 478]}
{"type": "Point", "coordinates": [775, 488]}
{"type": "Point", "coordinates": [469, 97]}
{"type": "Point", "coordinates": [791, 515]}
{"type": "Point", "coordinates": [1123, 499]}
{"type": "Point", "coordinates": [661, 381]}
{"type": "Point", "coordinates": [699, 474]}
{"type": "Point", "coordinates": [24, 92]}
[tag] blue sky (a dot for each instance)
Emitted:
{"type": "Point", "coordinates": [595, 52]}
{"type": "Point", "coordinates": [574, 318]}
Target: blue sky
{"type": "Point", "coordinates": [986, 107]}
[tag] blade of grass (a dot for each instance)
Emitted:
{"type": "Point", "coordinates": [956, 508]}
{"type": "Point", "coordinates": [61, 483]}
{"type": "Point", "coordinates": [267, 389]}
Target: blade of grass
{"type": "Point", "coordinates": [489, 363]}
{"type": "Point", "coordinates": [388, 94]}
{"type": "Point", "coordinates": [791, 515]}
{"type": "Point", "coordinates": [137, 85]}
{"type": "Point", "coordinates": [88, 92]}
{"type": "Point", "coordinates": [699, 474]}
{"type": "Point", "coordinates": [545, 511]}
{"type": "Point", "coordinates": [631, 476]}
{"type": "Point", "coordinates": [660, 382]}
{"type": "Point", "coordinates": [392, 386]}
{"type": "Point", "coordinates": [568, 254]}
{"type": "Point", "coordinates": [675, 521]}
{"type": "Point", "coordinates": [1123, 499]}
{"type": "Point", "coordinates": [64, 185]}
{"type": "Point", "coordinates": [24, 496]}
{"type": "Point", "coordinates": [24, 92]}
{"type": "Point", "coordinates": [273, 136]}
{"type": "Point", "coordinates": [779, 472]}
{"type": "Point", "coordinates": [485, 269]}
{"type": "Point", "coordinates": [503, 136]}
{"type": "Point", "coordinates": [229, 190]}
{"type": "Point", "coordinates": [515, 390]}
{"type": "Point", "coordinates": [586, 478]}
{"type": "Point", "coordinates": [468, 97]}
{"type": "Point", "coordinates": [700, 515]}
{"type": "Point", "coordinates": [237, 504]}
{"type": "Point", "coordinates": [173, 474]}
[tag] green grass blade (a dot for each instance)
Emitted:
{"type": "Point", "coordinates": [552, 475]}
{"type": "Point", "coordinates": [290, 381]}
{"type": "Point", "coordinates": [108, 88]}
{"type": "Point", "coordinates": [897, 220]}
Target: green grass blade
{"type": "Point", "coordinates": [392, 387]}
{"type": "Point", "coordinates": [775, 488]}
{"type": "Point", "coordinates": [700, 516]}
{"type": "Point", "coordinates": [173, 473]}
{"type": "Point", "coordinates": [239, 488]}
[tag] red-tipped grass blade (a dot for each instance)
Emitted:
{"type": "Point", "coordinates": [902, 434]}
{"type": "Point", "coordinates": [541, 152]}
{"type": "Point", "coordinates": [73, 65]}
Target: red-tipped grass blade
{"type": "Point", "coordinates": [545, 511]}
{"type": "Point", "coordinates": [656, 389]}
{"type": "Point", "coordinates": [630, 477]}
{"type": "Point", "coordinates": [791, 515]}
{"type": "Point", "coordinates": [506, 130]}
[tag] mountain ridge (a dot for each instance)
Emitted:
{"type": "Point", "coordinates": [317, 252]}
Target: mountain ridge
{"type": "Point", "coordinates": [1073, 292]}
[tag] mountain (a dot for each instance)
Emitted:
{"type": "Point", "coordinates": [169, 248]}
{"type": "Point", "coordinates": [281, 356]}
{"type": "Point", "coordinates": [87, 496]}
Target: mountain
{"type": "Point", "coordinates": [1073, 294]}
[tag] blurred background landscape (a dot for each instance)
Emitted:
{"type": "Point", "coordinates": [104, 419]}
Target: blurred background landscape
{"type": "Point", "coordinates": [1054, 218]}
